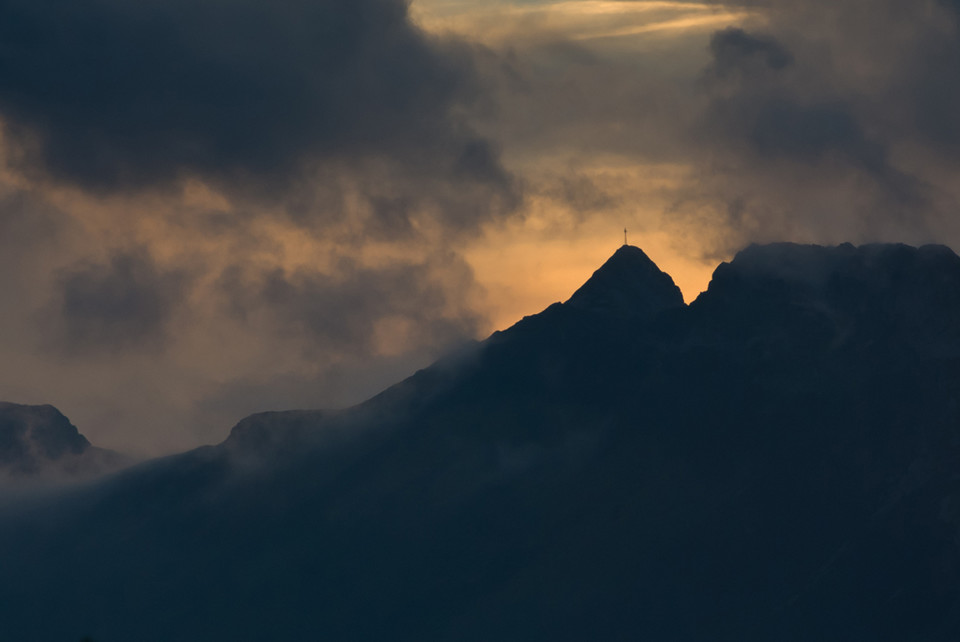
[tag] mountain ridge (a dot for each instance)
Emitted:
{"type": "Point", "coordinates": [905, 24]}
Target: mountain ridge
{"type": "Point", "coordinates": [40, 443]}
{"type": "Point", "coordinates": [606, 301]}
{"type": "Point", "coordinates": [772, 461]}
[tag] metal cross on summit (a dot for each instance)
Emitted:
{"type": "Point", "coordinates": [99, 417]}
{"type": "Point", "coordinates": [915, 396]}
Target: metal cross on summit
{"type": "Point", "coordinates": [625, 236]}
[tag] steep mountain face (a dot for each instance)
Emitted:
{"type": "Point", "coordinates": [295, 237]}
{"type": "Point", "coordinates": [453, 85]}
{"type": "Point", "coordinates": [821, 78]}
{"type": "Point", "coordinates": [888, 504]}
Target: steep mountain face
{"type": "Point", "coordinates": [38, 442]}
{"type": "Point", "coordinates": [776, 461]}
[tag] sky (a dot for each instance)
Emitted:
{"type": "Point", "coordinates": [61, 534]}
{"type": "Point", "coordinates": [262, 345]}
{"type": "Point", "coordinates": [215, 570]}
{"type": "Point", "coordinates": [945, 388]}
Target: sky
{"type": "Point", "coordinates": [211, 208]}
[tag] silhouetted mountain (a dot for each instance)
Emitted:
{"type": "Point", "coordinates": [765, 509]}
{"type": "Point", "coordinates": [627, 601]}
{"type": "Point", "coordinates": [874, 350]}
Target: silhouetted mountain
{"type": "Point", "coordinates": [38, 442]}
{"type": "Point", "coordinates": [776, 461]}
{"type": "Point", "coordinates": [629, 284]}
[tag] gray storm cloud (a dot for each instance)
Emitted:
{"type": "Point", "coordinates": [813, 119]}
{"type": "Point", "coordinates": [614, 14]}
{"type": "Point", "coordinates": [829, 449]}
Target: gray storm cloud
{"type": "Point", "coordinates": [829, 123]}
{"type": "Point", "coordinates": [122, 304]}
{"type": "Point", "coordinates": [343, 311]}
{"type": "Point", "coordinates": [112, 94]}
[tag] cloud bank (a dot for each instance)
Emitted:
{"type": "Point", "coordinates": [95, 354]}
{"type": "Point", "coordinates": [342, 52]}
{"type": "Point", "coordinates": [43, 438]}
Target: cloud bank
{"type": "Point", "coordinates": [109, 94]}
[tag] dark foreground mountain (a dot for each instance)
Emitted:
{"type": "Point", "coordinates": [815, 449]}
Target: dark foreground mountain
{"type": "Point", "coordinates": [39, 444]}
{"type": "Point", "coordinates": [779, 460]}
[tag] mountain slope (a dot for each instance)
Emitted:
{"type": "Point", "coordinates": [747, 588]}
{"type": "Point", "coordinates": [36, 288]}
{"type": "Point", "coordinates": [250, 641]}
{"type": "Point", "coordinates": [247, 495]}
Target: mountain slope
{"type": "Point", "coordinates": [775, 461]}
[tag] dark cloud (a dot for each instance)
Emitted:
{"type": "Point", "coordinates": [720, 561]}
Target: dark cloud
{"type": "Point", "coordinates": [110, 94]}
{"type": "Point", "coordinates": [773, 116]}
{"type": "Point", "coordinates": [927, 90]}
{"type": "Point", "coordinates": [583, 195]}
{"type": "Point", "coordinates": [807, 132]}
{"type": "Point", "coordinates": [733, 48]}
{"type": "Point", "coordinates": [850, 104]}
{"type": "Point", "coordinates": [32, 236]}
{"type": "Point", "coordinates": [28, 224]}
{"type": "Point", "coordinates": [123, 304]}
{"type": "Point", "coordinates": [408, 306]}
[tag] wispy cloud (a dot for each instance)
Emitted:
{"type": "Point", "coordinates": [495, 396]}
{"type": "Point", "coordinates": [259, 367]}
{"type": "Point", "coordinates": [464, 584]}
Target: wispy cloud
{"type": "Point", "coordinates": [574, 20]}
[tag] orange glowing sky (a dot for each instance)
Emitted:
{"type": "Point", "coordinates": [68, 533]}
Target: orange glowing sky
{"type": "Point", "coordinates": [530, 263]}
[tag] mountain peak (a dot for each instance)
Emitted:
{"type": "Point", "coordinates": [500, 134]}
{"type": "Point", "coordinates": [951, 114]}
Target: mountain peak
{"type": "Point", "coordinates": [39, 441]}
{"type": "Point", "coordinates": [629, 283]}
